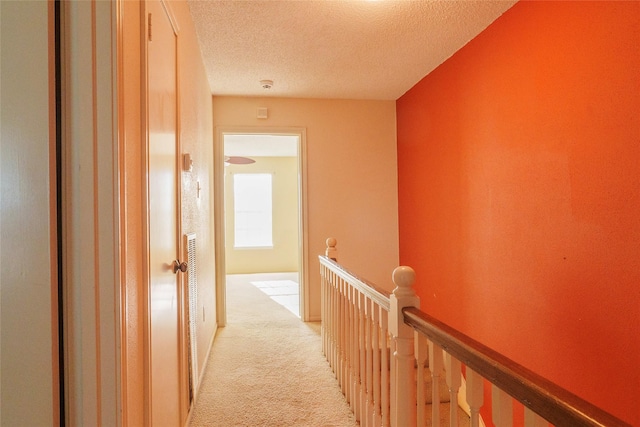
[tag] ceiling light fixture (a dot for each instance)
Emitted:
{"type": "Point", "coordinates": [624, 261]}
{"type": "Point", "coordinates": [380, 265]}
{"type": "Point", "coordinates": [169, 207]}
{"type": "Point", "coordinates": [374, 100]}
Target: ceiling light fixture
{"type": "Point", "coordinates": [237, 160]}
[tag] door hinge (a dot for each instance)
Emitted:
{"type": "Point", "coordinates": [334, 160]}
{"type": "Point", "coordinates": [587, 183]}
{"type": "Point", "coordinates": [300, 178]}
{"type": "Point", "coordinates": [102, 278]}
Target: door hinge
{"type": "Point", "coordinates": [149, 32]}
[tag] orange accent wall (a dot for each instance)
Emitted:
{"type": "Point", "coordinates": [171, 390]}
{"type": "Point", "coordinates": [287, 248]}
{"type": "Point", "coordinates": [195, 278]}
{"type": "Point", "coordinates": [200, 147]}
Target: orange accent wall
{"type": "Point", "coordinates": [519, 193]}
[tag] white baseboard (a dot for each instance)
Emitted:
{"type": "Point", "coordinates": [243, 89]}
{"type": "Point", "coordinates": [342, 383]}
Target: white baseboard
{"type": "Point", "coordinates": [204, 369]}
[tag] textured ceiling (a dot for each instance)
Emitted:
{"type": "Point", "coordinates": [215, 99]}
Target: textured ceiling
{"type": "Point", "coordinates": [346, 49]}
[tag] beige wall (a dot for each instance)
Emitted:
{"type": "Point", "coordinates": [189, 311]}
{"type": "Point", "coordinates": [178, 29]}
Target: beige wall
{"type": "Point", "coordinates": [351, 177]}
{"type": "Point", "coordinates": [283, 256]}
{"type": "Point", "coordinates": [28, 338]}
{"type": "Point", "coordinates": [196, 135]}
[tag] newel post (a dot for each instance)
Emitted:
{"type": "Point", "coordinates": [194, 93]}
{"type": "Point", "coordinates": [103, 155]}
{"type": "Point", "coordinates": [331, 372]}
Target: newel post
{"type": "Point", "coordinates": [403, 382]}
{"type": "Point", "coordinates": [331, 252]}
{"type": "Point", "coordinates": [327, 304]}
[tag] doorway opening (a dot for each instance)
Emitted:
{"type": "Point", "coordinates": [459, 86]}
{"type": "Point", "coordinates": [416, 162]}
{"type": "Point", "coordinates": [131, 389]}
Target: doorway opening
{"type": "Point", "coordinates": [260, 215]}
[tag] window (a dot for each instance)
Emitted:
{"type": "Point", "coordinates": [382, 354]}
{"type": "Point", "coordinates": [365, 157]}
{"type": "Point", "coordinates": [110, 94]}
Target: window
{"type": "Point", "coordinates": [253, 210]}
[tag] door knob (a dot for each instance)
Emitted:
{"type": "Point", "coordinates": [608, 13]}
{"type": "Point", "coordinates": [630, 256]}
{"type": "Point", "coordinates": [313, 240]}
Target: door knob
{"type": "Point", "coordinates": [179, 266]}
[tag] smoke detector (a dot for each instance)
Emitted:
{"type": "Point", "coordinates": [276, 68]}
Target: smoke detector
{"type": "Point", "coordinates": [266, 84]}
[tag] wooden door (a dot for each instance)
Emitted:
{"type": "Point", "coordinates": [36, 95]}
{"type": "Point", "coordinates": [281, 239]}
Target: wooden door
{"type": "Point", "coordinates": [164, 296]}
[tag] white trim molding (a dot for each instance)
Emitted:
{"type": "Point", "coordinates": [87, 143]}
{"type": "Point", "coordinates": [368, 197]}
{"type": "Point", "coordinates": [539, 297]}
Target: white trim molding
{"type": "Point", "coordinates": [90, 204]}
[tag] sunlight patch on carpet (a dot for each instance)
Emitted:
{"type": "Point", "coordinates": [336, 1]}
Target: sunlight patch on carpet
{"type": "Point", "coordinates": [284, 292]}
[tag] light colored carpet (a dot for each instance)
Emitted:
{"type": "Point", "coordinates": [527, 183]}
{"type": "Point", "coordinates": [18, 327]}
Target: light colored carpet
{"type": "Point", "coordinates": [266, 369]}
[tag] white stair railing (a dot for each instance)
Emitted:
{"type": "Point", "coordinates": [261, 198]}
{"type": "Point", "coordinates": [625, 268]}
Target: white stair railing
{"type": "Point", "coordinates": [374, 340]}
{"type": "Point", "coordinates": [371, 350]}
{"type": "Point", "coordinates": [356, 340]}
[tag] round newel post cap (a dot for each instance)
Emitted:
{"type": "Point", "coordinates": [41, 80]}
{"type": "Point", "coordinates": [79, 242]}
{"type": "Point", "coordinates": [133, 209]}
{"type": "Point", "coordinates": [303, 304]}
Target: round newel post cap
{"type": "Point", "coordinates": [404, 277]}
{"type": "Point", "coordinates": [331, 252]}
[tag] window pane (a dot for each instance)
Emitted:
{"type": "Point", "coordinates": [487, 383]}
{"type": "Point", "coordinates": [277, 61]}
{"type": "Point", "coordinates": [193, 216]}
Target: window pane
{"type": "Point", "coordinates": [253, 210]}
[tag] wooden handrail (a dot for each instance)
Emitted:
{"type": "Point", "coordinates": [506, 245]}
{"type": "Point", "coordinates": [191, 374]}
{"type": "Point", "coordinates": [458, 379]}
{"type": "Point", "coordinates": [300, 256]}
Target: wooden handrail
{"type": "Point", "coordinates": [552, 402]}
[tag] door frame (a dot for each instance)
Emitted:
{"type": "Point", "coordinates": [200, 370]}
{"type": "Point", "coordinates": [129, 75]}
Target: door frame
{"type": "Point", "coordinates": [90, 209]}
{"type": "Point", "coordinates": [219, 218]}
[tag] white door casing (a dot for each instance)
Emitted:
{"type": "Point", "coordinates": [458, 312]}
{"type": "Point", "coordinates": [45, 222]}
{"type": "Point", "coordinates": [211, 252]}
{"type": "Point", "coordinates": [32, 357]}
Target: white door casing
{"type": "Point", "coordinates": [219, 219]}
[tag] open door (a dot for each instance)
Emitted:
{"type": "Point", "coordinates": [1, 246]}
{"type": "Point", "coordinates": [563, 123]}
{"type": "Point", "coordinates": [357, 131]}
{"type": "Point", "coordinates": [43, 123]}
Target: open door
{"type": "Point", "coordinates": [299, 136]}
{"type": "Point", "coordinates": [165, 299]}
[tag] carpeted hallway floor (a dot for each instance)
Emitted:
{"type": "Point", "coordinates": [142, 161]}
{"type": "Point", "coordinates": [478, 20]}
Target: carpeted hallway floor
{"type": "Point", "coordinates": [266, 369]}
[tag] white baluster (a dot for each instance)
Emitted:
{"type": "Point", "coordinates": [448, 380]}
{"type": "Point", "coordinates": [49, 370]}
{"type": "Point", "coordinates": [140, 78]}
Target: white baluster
{"type": "Point", "coordinates": [323, 311]}
{"type": "Point", "coordinates": [350, 338]}
{"type": "Point", "coordinates": [475, 396]}
{"type": "Point", "coordinates": [336, 310]}
{"type": "Point", "coordinates": [339, 326]}
{"type": "Point", "coordinates": [376, 364]}
{"type": "Point", "coordinates": [354, 350]}
{"type": "Point", "coordinates": [436, 366]}
{"type": "Point", "coordinates": [331, 320]}
{"type": "Point", "coordinates": [454, 381]}
{"type": "Point", "coordinates": [404, 381]}
{"type": "Point", "coordinates": [392, 376]}
{"type": "Point", "coordinates": [384, 377]}
{"type": "Point", "coordinates": [421, 348]}
{"type": "Point", "coordinates": [531, 419]}
{"type": "Point", "coordinates": [347, 341]}
{"type": "Point", "coordinates": [334, 324]}
{"type": "Point", "coordinates": [329, 328]}
{"type": "Point", "coordinates": [327, 315]}
{"type": "Point", "coordinates": [362, 392]}
{"type": "Point", "coordinates": [327, 307]}
{"type": "Point", "coordinates": [343, 334]}
{"type": "Point", "coordinates": [369, 341]}
{"type": "Point", "coordinates": [501, 407]}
